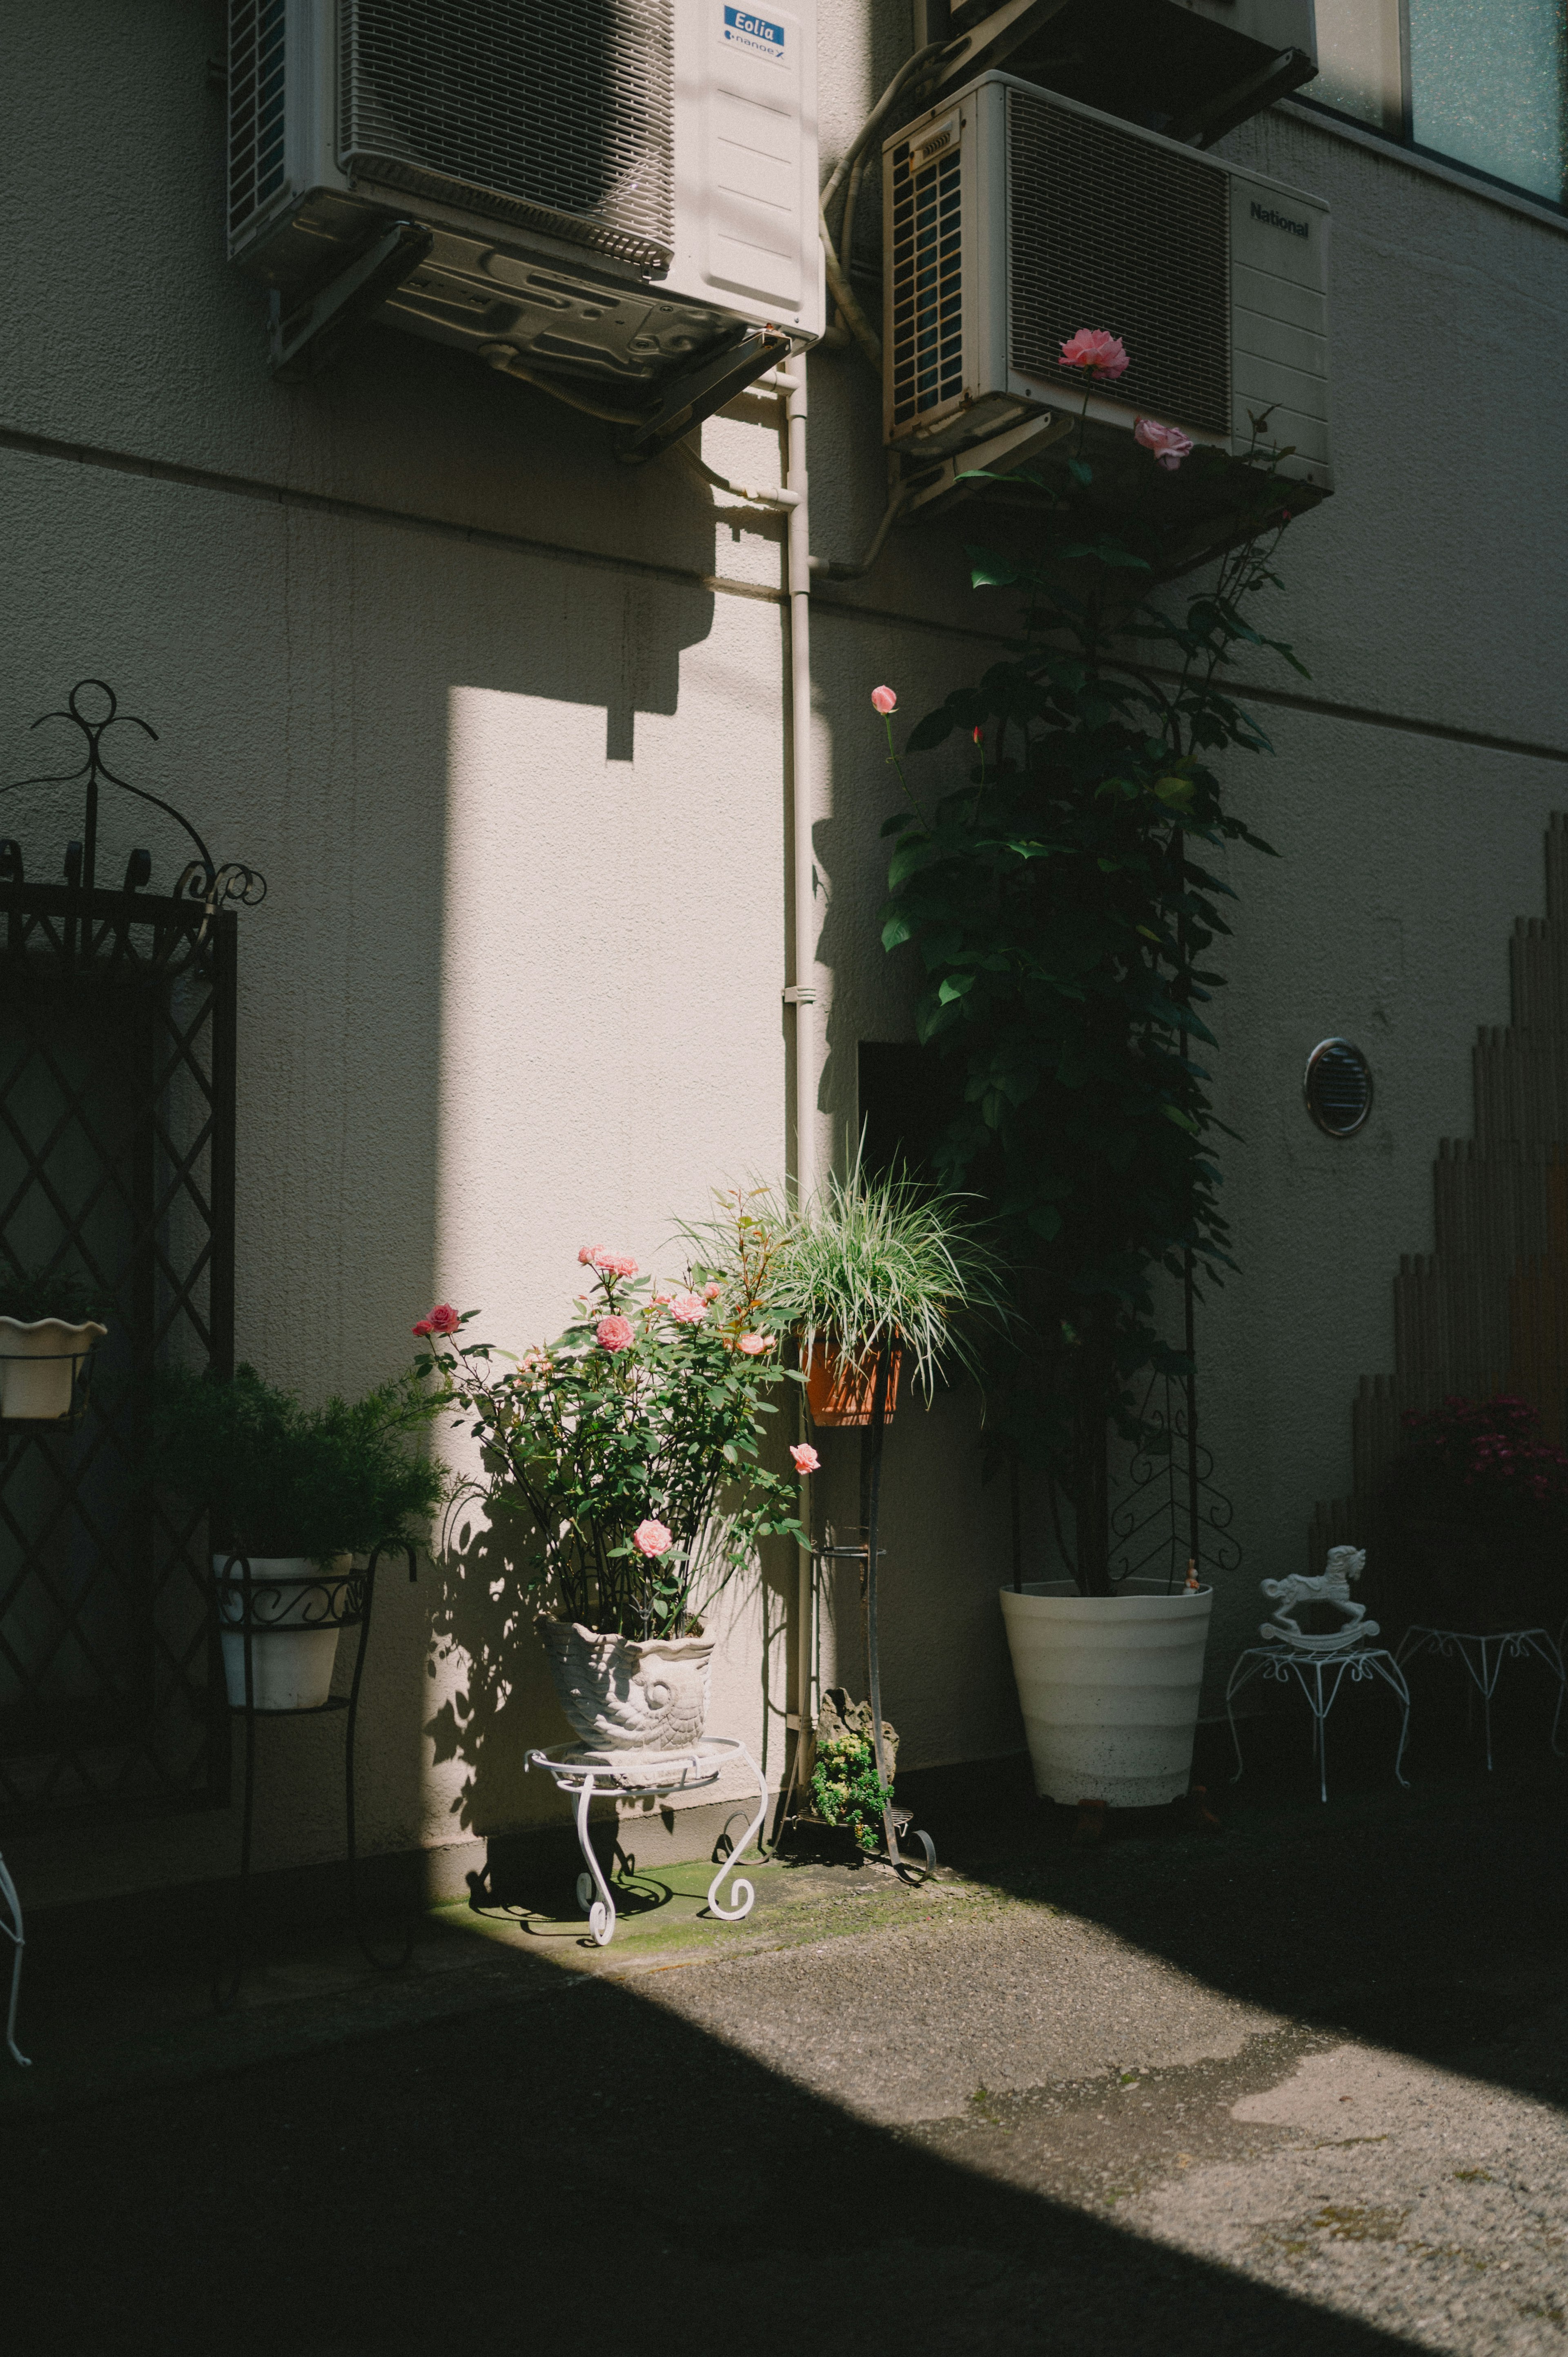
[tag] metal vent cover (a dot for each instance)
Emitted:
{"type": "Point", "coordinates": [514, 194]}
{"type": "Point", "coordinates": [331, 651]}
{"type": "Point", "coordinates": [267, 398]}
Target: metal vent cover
{"type": "Point", "coordinates": [1338, 1088]}
{"type": "Point", "coordinates": [928, 276]}
{"type": "Point", "coordinates": [1109, 231]}
{"type": "Point", "coordinates": [557, 115]}
{"type": "Point", "coordinates": [256, 51]}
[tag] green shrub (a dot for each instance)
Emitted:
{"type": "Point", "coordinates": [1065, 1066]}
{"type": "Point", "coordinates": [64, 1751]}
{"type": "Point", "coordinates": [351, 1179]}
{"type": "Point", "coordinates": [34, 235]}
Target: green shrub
{"type": "Point", "coordinates": [279, 1479]}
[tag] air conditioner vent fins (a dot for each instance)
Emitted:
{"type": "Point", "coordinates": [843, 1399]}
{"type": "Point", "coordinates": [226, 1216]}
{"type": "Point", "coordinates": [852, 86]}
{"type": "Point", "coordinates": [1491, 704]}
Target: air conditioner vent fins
{"type": "Point", "coordinates": [255, 107]}
{"type": "Point", "coordinates": [928, 281]}
{"type": "Point", "coordinates": [559, 118]}
{"type": "Point", "coordinates": [1111, 232]}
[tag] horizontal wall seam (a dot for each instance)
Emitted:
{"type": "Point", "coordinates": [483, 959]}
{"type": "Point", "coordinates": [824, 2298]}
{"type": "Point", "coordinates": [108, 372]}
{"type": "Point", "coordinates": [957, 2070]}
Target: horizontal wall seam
{"type": "Point", "coordinates": [205, 479]}
{"type": "Point", "coordinates": [246, 487]}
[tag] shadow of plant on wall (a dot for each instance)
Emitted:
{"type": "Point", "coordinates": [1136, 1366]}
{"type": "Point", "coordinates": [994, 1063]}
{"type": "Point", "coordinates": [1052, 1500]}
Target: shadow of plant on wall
{"type": "Point", "coordinates": [504, 1706]}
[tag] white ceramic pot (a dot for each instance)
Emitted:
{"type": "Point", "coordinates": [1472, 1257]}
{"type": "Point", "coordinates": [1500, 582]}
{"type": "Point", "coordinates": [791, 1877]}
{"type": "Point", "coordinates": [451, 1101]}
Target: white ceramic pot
{"type": "Point", "coordinates": [1109, 1686]}
{"type": "Point", "coordinates": [291, 1661]}
{"type": "Point", "coordinates": [629, 1693]}
{"type": "Point", "coordinates": [38, 1363]}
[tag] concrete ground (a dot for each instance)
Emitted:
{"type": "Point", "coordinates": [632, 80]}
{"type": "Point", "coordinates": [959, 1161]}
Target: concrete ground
{"type": "Point", "coordinates": [1295, 2083]}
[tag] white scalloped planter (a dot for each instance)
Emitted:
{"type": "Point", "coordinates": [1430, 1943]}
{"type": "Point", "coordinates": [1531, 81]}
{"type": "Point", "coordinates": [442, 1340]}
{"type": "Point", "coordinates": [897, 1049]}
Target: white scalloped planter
{"type": "Point", "coordinates": [1109, 1688]}
{"type": "Point", "coordinates": [628, 1694]}
{"type": "Point", "coordinates": [38, 1362]}
{"type": "Point", "coordinates": [291, 1662]}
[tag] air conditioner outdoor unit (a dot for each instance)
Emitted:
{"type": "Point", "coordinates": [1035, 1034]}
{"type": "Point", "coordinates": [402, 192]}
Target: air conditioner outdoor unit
{"type": "Point", "coordinates": [612, 194]}
{"type": "Point", "coordinates": [1014, 216]}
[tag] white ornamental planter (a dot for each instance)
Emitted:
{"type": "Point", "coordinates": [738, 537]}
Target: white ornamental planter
{"type": "Point", "coordinates": [1109, 1686]}
{"type": "Point", "coordinates": [291, 1661]}
{"type": "Point", "coordinates": [38, 1363]}
{"type": "Point", "coordinates": [629, 1693]}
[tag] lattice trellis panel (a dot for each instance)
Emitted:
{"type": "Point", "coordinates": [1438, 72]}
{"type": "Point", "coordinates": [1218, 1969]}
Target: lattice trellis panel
{"type": "Point", "coordinates": [116, 1163]}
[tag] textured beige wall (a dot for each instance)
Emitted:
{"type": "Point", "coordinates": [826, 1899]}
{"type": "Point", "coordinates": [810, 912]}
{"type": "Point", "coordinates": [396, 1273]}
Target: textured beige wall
{"type": "Point", "coordinates": [504, 727]}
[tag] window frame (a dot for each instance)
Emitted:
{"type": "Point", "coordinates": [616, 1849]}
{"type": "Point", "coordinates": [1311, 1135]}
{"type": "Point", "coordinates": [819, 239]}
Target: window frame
{"type": "Point", "coordinates": [1403, 141]}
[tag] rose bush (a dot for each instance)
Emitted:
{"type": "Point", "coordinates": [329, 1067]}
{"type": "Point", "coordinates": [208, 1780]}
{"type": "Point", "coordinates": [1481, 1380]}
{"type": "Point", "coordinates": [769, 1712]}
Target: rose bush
{"type": "Point", "coordinates": [632, 1443]}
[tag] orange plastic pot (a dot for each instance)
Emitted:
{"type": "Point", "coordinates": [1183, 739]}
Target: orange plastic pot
{"type": "Point", "coordinates": [839, 1392]}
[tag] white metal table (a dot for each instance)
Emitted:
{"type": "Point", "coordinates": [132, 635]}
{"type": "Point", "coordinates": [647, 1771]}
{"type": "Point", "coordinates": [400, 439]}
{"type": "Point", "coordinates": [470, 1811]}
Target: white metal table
{"type": "Point", "coordinates": [581, 1772]}
{"type": "Point", "coordinates": [13, 1931]}
{"type": "Point", "coordinates": [1310, 1667]}
{"type": "Point", "coordinates": [1477, 1651]}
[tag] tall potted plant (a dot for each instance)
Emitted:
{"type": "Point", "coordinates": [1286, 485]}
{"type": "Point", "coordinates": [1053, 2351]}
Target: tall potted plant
{"type": "Point", "coordinates": [631, 1447]}
{"type": "Point", "coordinates": [880, 1274]}
{"type": "Point", "coordinates": [298, 1492]}
{"type": "Point", "coordinates": [1060, 904]}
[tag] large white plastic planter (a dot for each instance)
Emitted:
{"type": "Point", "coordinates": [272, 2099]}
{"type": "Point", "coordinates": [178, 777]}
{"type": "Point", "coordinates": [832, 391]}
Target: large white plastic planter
{"type": "Point", "coordinates": [1109, 1687]}
{"type": "Point", "coordinates": [291, 1661]}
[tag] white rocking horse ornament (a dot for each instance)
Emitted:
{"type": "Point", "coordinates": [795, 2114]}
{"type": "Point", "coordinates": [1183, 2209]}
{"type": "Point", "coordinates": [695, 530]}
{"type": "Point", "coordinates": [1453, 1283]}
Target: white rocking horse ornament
{"type": "Point", "coordinates": [1345, 1564]}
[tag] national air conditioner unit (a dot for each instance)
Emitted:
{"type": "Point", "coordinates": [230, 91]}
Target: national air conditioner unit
{"type": "Point", "coordinates": [1014, 216]}
{"type": "Point", "coordinates": [616, 196]}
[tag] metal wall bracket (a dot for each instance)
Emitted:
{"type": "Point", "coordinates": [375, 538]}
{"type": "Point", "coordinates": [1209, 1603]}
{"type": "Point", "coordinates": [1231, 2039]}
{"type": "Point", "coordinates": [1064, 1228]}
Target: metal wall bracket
{"type": "Point", "coordinates": [686, 400]}
{"type": "Point", "coordinates": [306, 338]}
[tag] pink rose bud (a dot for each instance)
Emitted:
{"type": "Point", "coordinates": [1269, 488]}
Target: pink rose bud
{"type": "Point", "coordinates": [1168, 443]}
{"type": "Point", "coordinates": [614, 1334]}
{"type": "Point", "coordinates": [444, 1319]}
{"type": "Point", "coordinates": [688, 1309]}
{"type": "Point", "coordinates": [806, 1457]}
{"type": "Point", "coordinates": [754, 1345]}
{"type": "Point", "coordinates": [652, 1538]}
{"type": "Point", "coordinates": [712, 1292]}
{"type": "Point", "coordinates": [424, 1327]}
{"type": "Point", "coordinates": [980, 736]}
{"type": "Point", "coordinates": [883, 700]}
{"type": "Point", "coordinates": [1099, 354]}
{"type": "Point", "coordinates": [591, 1255]}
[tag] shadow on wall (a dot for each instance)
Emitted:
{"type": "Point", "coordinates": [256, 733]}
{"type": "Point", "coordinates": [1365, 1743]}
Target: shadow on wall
{"type": "Point", "coordinates": [504, 1706]}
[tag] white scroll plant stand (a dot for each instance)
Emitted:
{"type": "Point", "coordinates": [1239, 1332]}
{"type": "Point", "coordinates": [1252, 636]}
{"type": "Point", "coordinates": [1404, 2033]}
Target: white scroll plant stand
{"type": "Point", "coordinates": [581, 1771]}
{"type": "Point", "coordinates": [1483, 1656]}
{"type": "Point", "coordinates": [1320, 1664]}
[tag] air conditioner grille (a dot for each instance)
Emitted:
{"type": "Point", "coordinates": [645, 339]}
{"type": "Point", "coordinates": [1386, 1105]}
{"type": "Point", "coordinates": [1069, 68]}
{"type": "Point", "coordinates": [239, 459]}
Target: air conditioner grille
{"type": "Point", "coordinates": [556, 113]}
{"type": "Point", "coordinates": [255, 107]}
{"type": "Point", "coordinates": [928, 282]}
{"type": "Point", "coordinates": [1109, 231]}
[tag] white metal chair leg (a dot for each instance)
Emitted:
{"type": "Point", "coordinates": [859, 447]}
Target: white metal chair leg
{"type": "Point", "coordinates": [14, 1932]}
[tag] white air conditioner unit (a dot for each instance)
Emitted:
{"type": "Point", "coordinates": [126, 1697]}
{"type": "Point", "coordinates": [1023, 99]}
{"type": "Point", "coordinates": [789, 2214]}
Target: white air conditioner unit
{"type": "Point", "coordinates": [611, 193]}
{"type": "Point", "coordinates": [1014, 218]}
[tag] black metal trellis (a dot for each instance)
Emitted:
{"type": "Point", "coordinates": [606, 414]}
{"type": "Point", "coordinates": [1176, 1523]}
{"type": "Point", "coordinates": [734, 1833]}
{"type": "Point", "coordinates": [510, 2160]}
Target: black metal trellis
{"type": "Point", "coordinates": [1170, 1514]}
{"type": "Point", "coordinates": [117, 1039]}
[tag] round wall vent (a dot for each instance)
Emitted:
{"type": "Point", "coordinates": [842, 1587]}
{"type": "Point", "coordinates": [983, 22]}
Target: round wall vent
{"type": "Point", "coordinates": [1338, 1088]}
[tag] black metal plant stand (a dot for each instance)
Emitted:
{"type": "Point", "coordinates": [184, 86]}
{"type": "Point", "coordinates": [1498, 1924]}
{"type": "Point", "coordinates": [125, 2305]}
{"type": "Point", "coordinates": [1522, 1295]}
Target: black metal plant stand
{"type": "Point", "coordinates": [332, 1600]}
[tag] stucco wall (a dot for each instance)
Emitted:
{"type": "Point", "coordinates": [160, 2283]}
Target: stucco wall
{"type": "Point", "coordinates": [504, 725]}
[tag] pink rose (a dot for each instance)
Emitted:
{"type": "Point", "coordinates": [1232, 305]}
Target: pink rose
{"type": "Point", "coordinates": [754, 1345]}
{"type": "Point", "coordinates": [616, 1264]}
{"type": "Point", "coordinates": [424, 1327]}
{"type": "Point", "coordinates": [1099, 354]}
{"type": "Point", "coordinates": [806, 1459]}
{"type": "Point", "coordinates": [883, 700]}
{"type": "Point", "coordinates": [591, 1255]}
{"type": "Point", "coordinates": [652, 1538]}
{"type": "Point", "coordinates": [688, 1309]}
{"type": "Point", "coordinates": [444, 1319]}
{"type": "Point", "coordinates": [712, 1292]}
{"type": "Point", "coordinates": [614, 1334]}
{"type": "Point", "coordinates": [1168, 443]}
